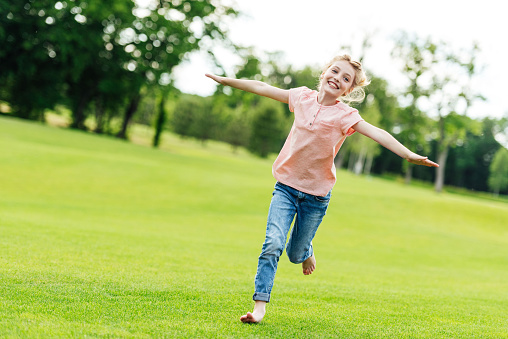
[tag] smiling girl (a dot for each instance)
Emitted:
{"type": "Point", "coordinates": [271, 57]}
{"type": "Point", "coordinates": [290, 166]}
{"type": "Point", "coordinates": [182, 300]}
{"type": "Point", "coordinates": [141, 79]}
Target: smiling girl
{"type": "Point", "coordinates": [304, 169]}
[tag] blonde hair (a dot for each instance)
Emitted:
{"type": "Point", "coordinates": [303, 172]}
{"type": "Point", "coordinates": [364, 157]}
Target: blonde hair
{"type": "Point", "coordinates": [360, 79]}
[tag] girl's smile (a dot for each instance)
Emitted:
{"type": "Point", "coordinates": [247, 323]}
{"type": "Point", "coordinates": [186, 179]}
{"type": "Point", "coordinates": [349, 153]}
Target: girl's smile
{"type": "Point", "coordinates": [333, 84]}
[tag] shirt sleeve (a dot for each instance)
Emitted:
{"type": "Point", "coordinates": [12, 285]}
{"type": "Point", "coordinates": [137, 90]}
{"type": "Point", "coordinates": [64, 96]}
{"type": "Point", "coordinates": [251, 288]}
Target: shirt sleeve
{"type": "Point", "coordinates": [294, 97]}
{"type": "Point", "coordinates": [352, 118]}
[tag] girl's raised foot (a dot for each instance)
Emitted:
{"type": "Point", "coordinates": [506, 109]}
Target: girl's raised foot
{"type": "Point", "coordinates": [309, 265]}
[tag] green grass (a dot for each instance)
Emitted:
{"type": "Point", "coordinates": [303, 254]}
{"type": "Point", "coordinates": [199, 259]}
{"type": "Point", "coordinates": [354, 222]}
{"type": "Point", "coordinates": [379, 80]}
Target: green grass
{"type": "Point", "coordinates": [104, 238]}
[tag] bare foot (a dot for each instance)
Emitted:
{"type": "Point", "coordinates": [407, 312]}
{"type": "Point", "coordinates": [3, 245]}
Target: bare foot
{"type": "Point", "coordinates": [309, 265]}
{"type": "Point", "coordinates": [257, 315]}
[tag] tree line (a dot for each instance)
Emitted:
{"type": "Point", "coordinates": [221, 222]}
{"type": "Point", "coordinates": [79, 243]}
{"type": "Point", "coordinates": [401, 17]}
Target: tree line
{"type": "Point", "coordinates": [467, 149]}
{"type": "Point", "coordinates": [110, 63]}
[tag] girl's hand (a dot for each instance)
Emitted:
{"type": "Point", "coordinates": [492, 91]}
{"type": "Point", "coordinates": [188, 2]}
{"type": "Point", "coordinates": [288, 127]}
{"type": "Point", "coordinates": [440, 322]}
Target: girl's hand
{"type": "Point", "coordinates": [217, 78]}
{"type": "Point", "coordinates": [419, 160]}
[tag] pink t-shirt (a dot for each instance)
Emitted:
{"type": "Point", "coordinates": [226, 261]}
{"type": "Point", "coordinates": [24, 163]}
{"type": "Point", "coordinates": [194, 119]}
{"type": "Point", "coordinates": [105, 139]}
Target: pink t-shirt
{"type": "Point", "coordinates": [306, 159]}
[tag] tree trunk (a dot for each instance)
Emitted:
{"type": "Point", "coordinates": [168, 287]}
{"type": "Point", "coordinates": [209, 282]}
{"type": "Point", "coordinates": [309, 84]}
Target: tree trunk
{"type": "Point", "coordinates": [440, 174]}
{"type": "Point", "coordinates": [99, 116]}
{"type": "Point", "coordinates": [358, 168]}
{"type": "Point", "coordinates": [368, 164]}
{"type": "Point", "coordinates": [107, 123]}
{"type": "Point", "coordinates": [40, 115]}
{"type": "Point", "coordinates": [409, 173]}
{"type": "Point", "coordinates": [351, 161]}
{"type": "Point", "coordinates": [129, 113]}
{"type": "Point", "coordinates": [339, 160]}
{"type": "Point", "coordinates": [78, 113]}
{"type": "Point", "coordinates": [441, 157]}
{"type": "Point", "coordinates": [496, 191]}
{"type": "Point", "coordinates": [159, 123]}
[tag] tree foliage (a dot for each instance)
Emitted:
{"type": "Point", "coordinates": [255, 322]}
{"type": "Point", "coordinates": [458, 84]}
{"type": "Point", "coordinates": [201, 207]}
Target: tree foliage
{"type": "Point", "coordinates": [78, 52]}
{"type": "Point", "coordinates": [450, 84]}
{"type": "Point", "coordinates": [184, 115]}
{"type": "Point", "coordinates": [364, 149]}
{"type": "Point", "coordinates": [498, 179]}
{"type": "Point", "coordinates": [104, 60]}
{"type": "Point", "coordinates": [267, 129]}
{"type": "Point", "coordinates": [469, 162]}
{"type": "Point", "coordinates": [417, 56]}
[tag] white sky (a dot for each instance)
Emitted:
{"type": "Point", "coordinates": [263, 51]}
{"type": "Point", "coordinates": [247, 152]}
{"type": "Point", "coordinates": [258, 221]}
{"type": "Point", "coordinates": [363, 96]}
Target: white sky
{"type": "Point", "coordinates": [312, 32]}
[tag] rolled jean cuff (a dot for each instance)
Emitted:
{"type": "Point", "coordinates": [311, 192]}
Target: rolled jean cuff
{"type": "Point", "coordinates": [260, 296]}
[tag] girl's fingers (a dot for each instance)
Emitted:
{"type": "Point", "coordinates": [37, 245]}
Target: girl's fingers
{"type": "Point", "coordinates": [434, 164]}
{"type": "Point", "coordinates": [424, 161]}
{"type": "Point", "coordinates": [214, 77]}
{"type": "Point", "coordinates": [429, 163]}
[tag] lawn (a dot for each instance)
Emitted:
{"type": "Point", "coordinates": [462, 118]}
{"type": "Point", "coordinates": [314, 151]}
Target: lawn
{"type": "Point", "coordinates": [105, 238]}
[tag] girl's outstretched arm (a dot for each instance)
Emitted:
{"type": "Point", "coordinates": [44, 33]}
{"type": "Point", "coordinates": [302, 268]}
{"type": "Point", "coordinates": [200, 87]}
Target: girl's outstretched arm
{"type": "Point", "coordinates": [387, 140]}
{"type": "Point", "coordinates": [253, 86]}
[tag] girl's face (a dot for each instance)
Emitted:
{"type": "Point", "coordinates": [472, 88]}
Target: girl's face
{"type": "Point", "coordinates": [338, 79]}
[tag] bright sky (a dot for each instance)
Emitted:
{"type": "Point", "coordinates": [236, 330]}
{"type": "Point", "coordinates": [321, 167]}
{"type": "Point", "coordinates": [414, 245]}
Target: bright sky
{"type": "Point", "coordinates": [312, 32]}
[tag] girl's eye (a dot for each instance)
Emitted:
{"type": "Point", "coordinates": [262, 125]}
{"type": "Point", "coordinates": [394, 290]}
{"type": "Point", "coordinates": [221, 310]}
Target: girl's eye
{"type": "Point", "coordinates": [334, 71]}
{"type": "Point", "coordinates": [347, 79]}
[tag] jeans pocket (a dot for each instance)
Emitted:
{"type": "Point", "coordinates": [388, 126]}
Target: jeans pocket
{"type": "Point", "coordinates": [322, 199]}
{"type": "Point", "coordinates": [325, 199]}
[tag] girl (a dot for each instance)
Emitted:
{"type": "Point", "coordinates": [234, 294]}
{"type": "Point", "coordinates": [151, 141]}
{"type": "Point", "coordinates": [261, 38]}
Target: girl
{"type": "Point", "coordinates": [304, 168]}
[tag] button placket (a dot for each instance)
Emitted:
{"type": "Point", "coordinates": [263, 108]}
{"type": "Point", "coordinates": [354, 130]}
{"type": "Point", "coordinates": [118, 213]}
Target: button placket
{"type": "Point", "coordinates": [315, 117]}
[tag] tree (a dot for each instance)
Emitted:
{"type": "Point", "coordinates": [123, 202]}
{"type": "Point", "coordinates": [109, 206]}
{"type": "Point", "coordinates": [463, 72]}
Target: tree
{"type": "Point", "coordinates": [390, 111]}
{"type": "Point", "coordinates": [163, 34]}
{"type": "Point", "coordinates": [185, 112]}
{"type": "Point", "coordinates": [418, 56]}
{"type": "Point", "coordinates": [498, 179]}
{"type": "Point", "coordinates": [239, 113]}
{"type": "Point", "coordinates": [307, 76]}
{"type": "Point", "coordinates": [237, 130]}
{"type": "Point", "coordinates": [444, 99]}
{"type": "Point", "coordinates": [469, 162]}
{"type": "Point", "coordinates": [267, 128]}
{"type": "Point", "coordinates": [206, 121]}
{"type": "Point", "coordinates": [381, 109]}
{"type": "Point", "coordinates": [363, 150]}
{"type": "Point", "coordinates": [452, 130]}
{"type": "Point", "coordinates": [30, 72]}
{"type": "Point", "coordinates": [159, 122]}
{"type": "Point", "coordinates": [85, 51]}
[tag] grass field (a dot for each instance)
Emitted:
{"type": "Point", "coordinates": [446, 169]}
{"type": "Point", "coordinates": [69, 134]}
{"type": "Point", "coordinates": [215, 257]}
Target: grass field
{"type": "Point", "coordinates": [104, 238]}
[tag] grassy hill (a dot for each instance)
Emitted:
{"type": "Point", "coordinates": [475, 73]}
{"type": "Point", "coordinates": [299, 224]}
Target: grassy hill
{"type": "Point", "coordinates": [105, 238]}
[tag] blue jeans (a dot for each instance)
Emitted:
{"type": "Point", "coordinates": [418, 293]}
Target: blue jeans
{"type": "Point", "coordinates": [286, 203]}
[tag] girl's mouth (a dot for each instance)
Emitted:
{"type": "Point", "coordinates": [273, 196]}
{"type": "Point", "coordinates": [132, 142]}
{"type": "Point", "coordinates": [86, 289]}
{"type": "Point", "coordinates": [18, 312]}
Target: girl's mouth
{"type": "Point", "coordinates": [332, 84]}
